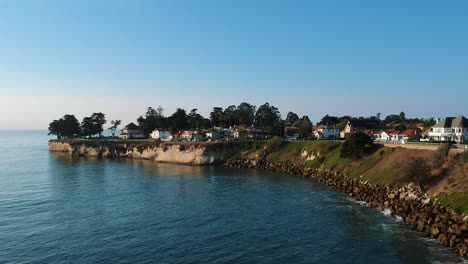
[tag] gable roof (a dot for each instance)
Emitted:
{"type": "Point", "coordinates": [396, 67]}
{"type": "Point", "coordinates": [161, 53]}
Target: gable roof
{"type": "Point", "coordinates": [392, 132]}
{"type": "Point", "coordinates": [446, 122]}
{"type": "Point", "coordinates": [408, 132]}
{"type": "Point", "coordinates": [459, 121]}
{"type": "Point", "coordinates": [132, 126]}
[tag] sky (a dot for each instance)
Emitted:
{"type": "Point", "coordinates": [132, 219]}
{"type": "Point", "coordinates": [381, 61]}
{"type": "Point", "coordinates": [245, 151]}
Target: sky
{"type": "Point", "coordinates": [311, 57]}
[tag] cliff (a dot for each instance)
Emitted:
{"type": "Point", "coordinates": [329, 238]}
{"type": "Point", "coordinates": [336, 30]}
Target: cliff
{"type": "Point", "coordinates": [177, 152]}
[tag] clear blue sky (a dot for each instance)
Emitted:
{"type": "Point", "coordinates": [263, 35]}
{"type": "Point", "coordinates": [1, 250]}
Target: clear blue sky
{"type": "Point", "coordinates": [310, 57]}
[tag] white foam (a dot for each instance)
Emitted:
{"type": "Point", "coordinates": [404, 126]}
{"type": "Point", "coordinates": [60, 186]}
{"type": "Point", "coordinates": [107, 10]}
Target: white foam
{"type": "Point", "coordinates": [387, 211]}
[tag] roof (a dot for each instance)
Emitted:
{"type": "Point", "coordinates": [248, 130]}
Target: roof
{"type": "Point", "coordinates": [392, 132]}
{"type": "Point", "coordinates": [408, 132]}
{"type": "Point", "coordinates": [324, 127]}
{"type": "Point", "coordinates": [459, 121]}
{"type": "Point", "coordinates": [132, 126]}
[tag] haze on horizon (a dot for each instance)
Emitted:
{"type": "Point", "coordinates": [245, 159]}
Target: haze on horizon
{"type": "Point", "coordinates": [309, 57]}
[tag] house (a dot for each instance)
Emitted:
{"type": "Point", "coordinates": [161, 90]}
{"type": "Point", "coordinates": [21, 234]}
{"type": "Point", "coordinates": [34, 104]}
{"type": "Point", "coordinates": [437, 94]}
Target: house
{"type": "Point", "coordinates": [188, 134]}
{"type": "Point", "coordinates": [450, 129]}
{"type": "Point", "coordinates": [131, 131]}
{"type": "Point", "coordinates": [377, 135]}
{"type": "Point", "coordinates": [161, 134]}
{"type": "Point", "coordinates": [395, 135]}
{"type": "Point", "coordinates": [409, 134]}
{"type": "Point", "coordinates": [241, 131]}
{"type": "Point", "coordinates": [351, 127]}
{"type": "Point", "coordinates": [326, 132]}
{"type": "Point", "coordinates": [218, 133]}
{"type": "Point", "coordinates": [292, 132]}
{"type": "Point", "coordinates": [390, 135]}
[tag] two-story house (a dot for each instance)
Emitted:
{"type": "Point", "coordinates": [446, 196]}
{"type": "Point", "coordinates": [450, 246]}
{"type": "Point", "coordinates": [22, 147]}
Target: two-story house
{"type": "Point", "coordinates": [326, 132]}
{"type": "Point", "coordinates": [450, 129]}
{"type": "Point", "coordinates": [131, 131]}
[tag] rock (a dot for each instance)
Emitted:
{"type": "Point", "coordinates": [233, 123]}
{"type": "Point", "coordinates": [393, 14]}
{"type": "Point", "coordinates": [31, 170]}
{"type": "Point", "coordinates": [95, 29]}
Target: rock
{"type": "Point", "coordinates": [425, 201]}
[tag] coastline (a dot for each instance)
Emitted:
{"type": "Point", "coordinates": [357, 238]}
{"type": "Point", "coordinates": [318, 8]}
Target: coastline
{"type": "Point", "coordinates": [416, 208]}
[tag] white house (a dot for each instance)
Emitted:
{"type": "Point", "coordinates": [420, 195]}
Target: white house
{"type": "Point", "coordinates": [450, 129]}
{"type": "Point", "coordinates": [326, 132]}
{"type": "Point", "coordinates": [390, 135]}
{"type": "Point", "coordinates": [162, 134]}
{"type": "Point", "coordinates": [188, 134]}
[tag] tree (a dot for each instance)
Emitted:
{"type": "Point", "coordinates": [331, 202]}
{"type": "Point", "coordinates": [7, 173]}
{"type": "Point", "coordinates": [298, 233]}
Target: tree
{"type": "Point", "coordinates": [55, 129]}
{"type": "Point", "coordinates": [115, 124]}
{"type": "Point", "coordinates": [402, 116]}
{"type": "Point", "coordinates": [268, 118]}
{"type": "Point", "coordinates": [178, 120]}
{"type": "Point", "coordinates": [329, 120]}
{"type": "Point", "coordinates": [392, 119]}
{"type": "Point", "coordinates": [230, 115]}
{"type": "Point", "coordinates": [245, 114]}
{"type": "Point", "coordinates": [152, 120]}
{"type": "Point", "coordinates": [357, 145]}
{"type": "Point", "coordinates": [160, 111]}
{"type": "Point", "coordinates": [92, 125]}
{"type": "Point", "coordinates": [291, 118]}
{"type": "Point", "coordinates": [194, 119]}
{"type": "Point", "coordinates": [305, 126]}
{"type": "Point", "coordinates": [217, 116]}
{"type": "Point", "coordinates": [65, 127]}
{"type": "Point", "coordinates": [87, 127]}
{"type": "Point", "coordinates": [99, 119]}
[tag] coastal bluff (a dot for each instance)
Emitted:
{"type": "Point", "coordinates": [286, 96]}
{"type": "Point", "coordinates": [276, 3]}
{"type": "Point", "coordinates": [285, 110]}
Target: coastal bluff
{"type": "Point", "coordinates": [200, 153]}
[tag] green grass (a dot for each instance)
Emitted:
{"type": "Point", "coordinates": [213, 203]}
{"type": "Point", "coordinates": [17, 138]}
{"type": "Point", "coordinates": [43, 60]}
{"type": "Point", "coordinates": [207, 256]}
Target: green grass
{"type": "Point", "coordinates": [458, 201]}
{"type": "Point", "coordinates": [367, 163]}
{"type": "Point", "coordinates": [384, 178]}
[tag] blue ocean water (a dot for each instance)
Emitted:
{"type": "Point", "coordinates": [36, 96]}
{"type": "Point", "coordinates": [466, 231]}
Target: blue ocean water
{"type": "Point", "coordinates": [58, 209]}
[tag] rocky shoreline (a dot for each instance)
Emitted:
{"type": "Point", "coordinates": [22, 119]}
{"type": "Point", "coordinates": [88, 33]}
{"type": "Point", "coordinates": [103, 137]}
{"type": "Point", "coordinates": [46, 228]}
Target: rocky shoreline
{"type": "Point", "coordinates": [415, 208]}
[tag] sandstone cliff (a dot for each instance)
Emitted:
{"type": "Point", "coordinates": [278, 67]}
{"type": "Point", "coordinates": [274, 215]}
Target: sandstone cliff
{"type": "Point", "coordinates": [180, 153]}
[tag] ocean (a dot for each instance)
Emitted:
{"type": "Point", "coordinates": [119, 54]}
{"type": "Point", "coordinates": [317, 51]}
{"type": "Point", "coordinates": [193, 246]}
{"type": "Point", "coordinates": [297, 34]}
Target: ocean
{"type": "Point", "coordinates": [59, 209]}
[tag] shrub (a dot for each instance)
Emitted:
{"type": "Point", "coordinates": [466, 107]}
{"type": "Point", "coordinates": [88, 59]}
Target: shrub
{"type": "Point", "coordinates": [357, 146]}
{"type": "Point", "coordinates": [273, 144]}
{"type": "Point", "coordinates": [416, 170]}
{"type": "Point", "coordinates": [444, 150]}
{"type": "Point", "coordinates": [462, 157]}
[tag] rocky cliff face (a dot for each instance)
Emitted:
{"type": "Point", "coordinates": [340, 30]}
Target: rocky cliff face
{"type": "Point", "coordinates": [181, 153]}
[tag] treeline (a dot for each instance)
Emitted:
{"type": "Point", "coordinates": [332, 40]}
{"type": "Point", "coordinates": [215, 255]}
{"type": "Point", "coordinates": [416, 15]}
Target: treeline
{"type": "Point", "coordinates": [266, 117]}
{"type": "Point", "coordinates": [397, 121]}
{"type": "Point", "coordinates": [69, 127]}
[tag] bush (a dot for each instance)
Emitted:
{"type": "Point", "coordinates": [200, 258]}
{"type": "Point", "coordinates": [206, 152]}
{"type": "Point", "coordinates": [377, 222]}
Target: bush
{"type": "Point", "coordinates": [444, 150]}
{"type": "Point", "coordinates": [416, 170]}
{"type": "Point", "coordinates": [357, 146]}
{"type": "Point", "coordinates": [273, 144]}
{"type": "Point", "coordinates": [462, 157]}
